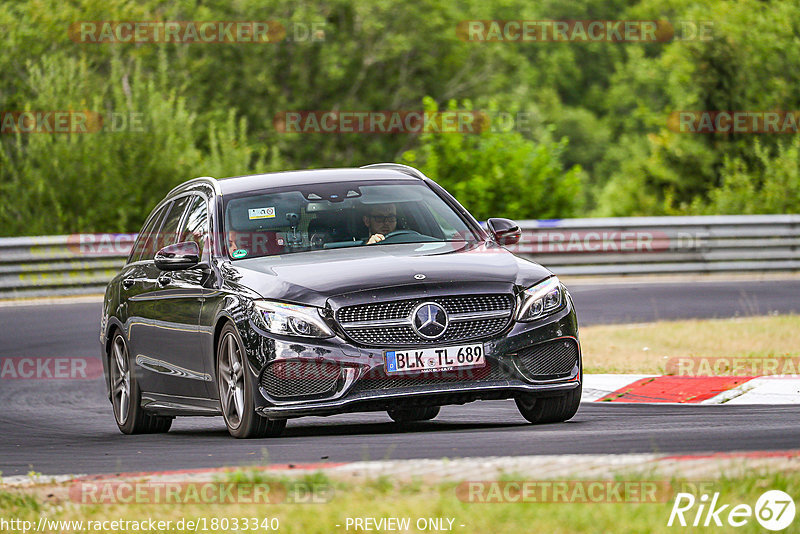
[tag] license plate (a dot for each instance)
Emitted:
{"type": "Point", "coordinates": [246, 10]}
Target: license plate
{"type": "Point", "coordinates": [431, 359]}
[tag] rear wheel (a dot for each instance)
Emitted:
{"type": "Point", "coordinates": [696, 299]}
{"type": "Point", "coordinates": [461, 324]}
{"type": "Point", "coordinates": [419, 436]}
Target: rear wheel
{"type": "Point", "coordinates": [126, 396]}
{"type": "Point", "coordinates": [235, 395]}
{"type": "Point", "coordinates": [550, 409]}
{"type": "Point", "coordinates": [417, 413]}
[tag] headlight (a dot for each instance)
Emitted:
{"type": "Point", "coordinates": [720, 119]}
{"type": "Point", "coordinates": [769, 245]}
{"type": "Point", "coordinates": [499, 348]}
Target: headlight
{"type": "Point", "coordinates": [292, 320]}
{"type": "Point", "coordinates": [541, 299]}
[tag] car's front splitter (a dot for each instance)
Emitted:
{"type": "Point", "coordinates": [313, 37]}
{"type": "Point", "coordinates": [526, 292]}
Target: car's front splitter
{"type": "Point", "coordinates": [440, 394]}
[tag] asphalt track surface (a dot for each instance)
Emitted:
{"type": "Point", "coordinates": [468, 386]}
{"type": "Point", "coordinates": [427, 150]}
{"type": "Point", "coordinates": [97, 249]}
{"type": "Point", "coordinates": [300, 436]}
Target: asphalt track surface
{"type": "Point", "coordinates": [66, 426]}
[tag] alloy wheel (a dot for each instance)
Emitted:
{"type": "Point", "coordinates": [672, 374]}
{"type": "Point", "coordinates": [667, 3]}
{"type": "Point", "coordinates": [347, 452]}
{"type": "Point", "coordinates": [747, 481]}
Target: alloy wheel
{"type": "Point", "coordinates": [231, 381]}
{"type": "Point", "coordinates": [121, 379]}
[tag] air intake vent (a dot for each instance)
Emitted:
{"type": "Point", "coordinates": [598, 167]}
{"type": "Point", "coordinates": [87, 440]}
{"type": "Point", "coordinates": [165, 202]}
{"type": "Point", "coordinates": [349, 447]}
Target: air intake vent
{"type": "Point", "coordinates": [300, 379]}
{"type": "Point", "coordinates": [378, 380]}
{"type": "Point", "coordinates": [545, 361]}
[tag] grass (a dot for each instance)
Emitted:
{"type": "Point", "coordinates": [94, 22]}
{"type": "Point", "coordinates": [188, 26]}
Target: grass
{"type": "Point", "coordinates": [646, 348]}
{"type": "Point", "coordinates": [391, 498]}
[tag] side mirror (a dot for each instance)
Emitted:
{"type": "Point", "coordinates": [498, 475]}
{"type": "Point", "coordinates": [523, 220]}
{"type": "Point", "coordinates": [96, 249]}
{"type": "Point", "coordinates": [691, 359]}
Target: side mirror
{"type": "Point", "coordinates": [178, 256]}
{"type": "Point", "coordinates": [504, 231]}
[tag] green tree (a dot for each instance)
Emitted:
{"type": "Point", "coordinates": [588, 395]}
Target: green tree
{"type": "Point", "coordinates": [108, 179]}
{"type": "Point", "coordinates": [500, 173]}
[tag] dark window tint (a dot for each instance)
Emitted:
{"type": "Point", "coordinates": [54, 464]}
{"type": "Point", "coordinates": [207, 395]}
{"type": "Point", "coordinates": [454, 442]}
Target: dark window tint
{"type": "Point", "coordinates": [169, 231]}
{"type": "Point", "coordinates": [143, 248]}
{"type": "Point", "coordinates": [195, 226]}
{"type": "Point", "coordinates": [336, 215]}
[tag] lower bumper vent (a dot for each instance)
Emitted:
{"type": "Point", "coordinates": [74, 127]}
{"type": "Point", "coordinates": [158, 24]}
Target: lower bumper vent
{"type": "Point", "coordinates": [300, 379]}
{"type": "Point", "coordinates": [554, 359]}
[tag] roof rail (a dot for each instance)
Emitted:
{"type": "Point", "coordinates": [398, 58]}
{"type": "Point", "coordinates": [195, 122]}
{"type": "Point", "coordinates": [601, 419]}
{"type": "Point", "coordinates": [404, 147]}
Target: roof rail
{"type": "Point", "coordinates": [206, 179]}
{"type": "Point", "coordinates": [411, 171]}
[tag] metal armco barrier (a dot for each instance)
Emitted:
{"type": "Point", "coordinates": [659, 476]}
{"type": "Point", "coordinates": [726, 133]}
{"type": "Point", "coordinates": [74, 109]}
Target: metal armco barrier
{"type": "Point", "coordinates": [60, 265]}
{"type": "Point", "coordinates": [82, 264]}
{"type": "Point", "coordinates": [663, 245]}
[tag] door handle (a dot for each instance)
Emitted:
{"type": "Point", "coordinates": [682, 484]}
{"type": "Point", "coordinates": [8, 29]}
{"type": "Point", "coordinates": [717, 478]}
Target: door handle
{"type": "Point", "coordinates": [164, 280]}
{"type": "Point", "coordinates": [128, 283]}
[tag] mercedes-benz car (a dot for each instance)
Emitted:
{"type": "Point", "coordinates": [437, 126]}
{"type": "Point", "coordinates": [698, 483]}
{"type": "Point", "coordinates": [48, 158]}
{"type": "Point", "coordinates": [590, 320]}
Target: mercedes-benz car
{"type": "Point", "coordinates": [268, 297]}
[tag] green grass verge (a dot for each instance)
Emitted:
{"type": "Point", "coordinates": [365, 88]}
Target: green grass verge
{"type": "Point", "coordinates": [385, 497]}
{"type": "Point", "coordinates": [647, 348]}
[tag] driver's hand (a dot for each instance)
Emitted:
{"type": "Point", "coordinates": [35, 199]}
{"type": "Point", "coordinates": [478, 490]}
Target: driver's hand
{"type": "Point", "coordinates": [375, 238]}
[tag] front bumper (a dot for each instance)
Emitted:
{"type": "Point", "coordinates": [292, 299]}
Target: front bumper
{"type": "Point", "coordinates": [434, 396]}
{"type": "Point", "coordinates": [361, 384]}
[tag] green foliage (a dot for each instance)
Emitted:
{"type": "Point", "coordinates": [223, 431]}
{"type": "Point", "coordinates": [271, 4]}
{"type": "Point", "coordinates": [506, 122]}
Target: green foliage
{"type": "Point", "coordinates": [749, 64]}
{"type": "Point", "coordinates": [771, 184]}
{"type": "Point", "coordinates": [499, 173]}
{"type": "Point", "coordinates": [600, 142]}
{"type": "Point", "coordinates": [17, 502]}
{"type": "Point", "coordinates": [109, 179]}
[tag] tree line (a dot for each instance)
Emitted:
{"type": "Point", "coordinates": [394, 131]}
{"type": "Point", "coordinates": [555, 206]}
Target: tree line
{"type": "Point", "coordinates": [578, 127]}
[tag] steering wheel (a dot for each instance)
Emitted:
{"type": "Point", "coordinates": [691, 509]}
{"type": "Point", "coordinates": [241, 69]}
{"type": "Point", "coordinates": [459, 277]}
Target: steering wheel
{"type": "Point", "coordinates": [398, 233]}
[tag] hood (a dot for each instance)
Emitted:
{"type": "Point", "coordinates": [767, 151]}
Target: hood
{"type": "Point", "coordinates": [314, 277]}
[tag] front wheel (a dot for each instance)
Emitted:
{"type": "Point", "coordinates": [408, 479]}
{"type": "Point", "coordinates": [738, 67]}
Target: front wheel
{"type": "Point", "coordinates": [235, 392]}
{"type": "Point", "coordinates": [126, 396]}
{"type": "Point", "coordinates": [550, 409]}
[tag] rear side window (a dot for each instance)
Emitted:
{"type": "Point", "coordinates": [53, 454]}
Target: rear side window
{"type": "Point", "coordinates": [143, 248]}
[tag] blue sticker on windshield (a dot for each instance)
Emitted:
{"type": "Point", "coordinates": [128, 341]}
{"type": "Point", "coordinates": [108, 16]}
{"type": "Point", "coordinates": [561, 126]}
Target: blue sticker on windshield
{"type": "Point", "coordinates": [239, 253]}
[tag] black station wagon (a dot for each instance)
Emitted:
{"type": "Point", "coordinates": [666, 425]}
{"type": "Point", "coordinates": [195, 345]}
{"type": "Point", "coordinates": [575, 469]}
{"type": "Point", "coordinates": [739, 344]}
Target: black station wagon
{"type": "Point", "coordinates": [267, 297]}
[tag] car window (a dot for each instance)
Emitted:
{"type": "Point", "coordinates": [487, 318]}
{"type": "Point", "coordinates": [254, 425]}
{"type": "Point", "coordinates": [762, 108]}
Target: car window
{"type": "Point", "coordinates": [169, 230]}
{"type": "Point", "coordinates": [195, 226]}
{"type": "Point", "coordinates": [326, 216]}
{"type": "Point", "coordinates": [145, 242]}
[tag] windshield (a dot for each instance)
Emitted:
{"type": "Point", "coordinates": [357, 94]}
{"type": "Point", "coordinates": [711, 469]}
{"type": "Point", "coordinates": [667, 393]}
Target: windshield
{"type": "Point", "coordinates": [326, 216]}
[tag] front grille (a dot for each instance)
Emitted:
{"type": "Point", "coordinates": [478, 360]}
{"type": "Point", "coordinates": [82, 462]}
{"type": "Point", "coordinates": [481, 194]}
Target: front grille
{"type": "Point", "coordinates": [554, 359]}
{"type": "Point", "coordinates": [376, 312]}
{"type": "Point", "coordinates": [402, 335]}
{"type": "Point", "coordinates": [378, 380]}
{"type": "Point", "coordinates": [400, 309]}
{"type": "Point", "coordinates": [300, 379]}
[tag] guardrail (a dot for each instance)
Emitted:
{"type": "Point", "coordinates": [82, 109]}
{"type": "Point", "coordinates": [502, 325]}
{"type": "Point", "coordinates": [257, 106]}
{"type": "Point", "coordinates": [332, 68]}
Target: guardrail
{"type": "Point", "coordinates": [660, 245]}
{"type": "Point", "coordinates": [82, 264]}
{"type": "Point", "coordinates": [60, 265]}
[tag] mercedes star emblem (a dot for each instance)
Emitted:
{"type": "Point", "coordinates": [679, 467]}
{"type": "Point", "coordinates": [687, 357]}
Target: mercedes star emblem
{"type": "Point", "coordinates": [429, 320]}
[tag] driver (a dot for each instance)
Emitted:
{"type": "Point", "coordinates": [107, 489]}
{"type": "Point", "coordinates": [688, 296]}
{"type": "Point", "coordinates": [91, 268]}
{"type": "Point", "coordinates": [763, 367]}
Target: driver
{"type": "Point", "coordinates": [232, 242]}
{"type": "Point", "coordinates": [381, 220]}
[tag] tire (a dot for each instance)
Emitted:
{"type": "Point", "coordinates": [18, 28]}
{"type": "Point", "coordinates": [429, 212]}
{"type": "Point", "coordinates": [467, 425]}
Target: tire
{"type": "Point", "coordinates": [550, 409]}
{"type": "Point", "coordinates": [236, 398]}
{"type": "Point", "coordinates": [409, 415]}
{"type": "Point", "coordinates": [126, 397]}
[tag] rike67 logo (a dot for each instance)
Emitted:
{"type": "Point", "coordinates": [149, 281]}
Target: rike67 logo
{"type": "Point", "coordinates": [774, 510]}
